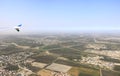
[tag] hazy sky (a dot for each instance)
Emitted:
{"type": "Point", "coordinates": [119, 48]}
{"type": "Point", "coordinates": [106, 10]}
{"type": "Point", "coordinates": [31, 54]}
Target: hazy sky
{"type": "Point", "coordinates": [60, 15]}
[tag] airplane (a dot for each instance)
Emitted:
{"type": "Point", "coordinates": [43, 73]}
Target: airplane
{"type": "Point", "coordinates": [17, 28]}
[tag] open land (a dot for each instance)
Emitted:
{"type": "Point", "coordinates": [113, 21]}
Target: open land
{"type": "Point", "coordinates": [60, 55]}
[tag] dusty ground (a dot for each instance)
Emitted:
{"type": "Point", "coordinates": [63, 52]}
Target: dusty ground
{"type": "Point", "coordinates": [37, 64]}
{"type": "Point", "coordinates": [44, 73]}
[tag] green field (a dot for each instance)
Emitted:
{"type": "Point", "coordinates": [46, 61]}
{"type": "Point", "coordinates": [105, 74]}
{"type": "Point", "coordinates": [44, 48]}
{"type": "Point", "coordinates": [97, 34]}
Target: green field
{"type": "Point", "coordinates": [51, 47]}
{"type": "Point", "coordinates": [44, 58]}
{"type": "Point", "coordinates": [110, 73]}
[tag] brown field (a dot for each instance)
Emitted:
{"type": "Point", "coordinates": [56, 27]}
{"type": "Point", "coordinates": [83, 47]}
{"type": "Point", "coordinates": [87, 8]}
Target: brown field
{"type": "Point", "coordinates": [44, 73]}
{"type": "Point", "coordinates": [80, 71]}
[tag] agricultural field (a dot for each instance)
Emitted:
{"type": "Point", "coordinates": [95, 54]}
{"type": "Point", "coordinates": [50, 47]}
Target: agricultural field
{"type": "Point", "coordinates": [44, 59]}
{"type": "Point", "coordinates": [48, 47]}
{"type": "Point", "coordinates": [47, 55]}
{"type": "Point", "coordinates": [81, 71]}
{"type": "Point", "coordinates": [117, 68]}
{"type": "Point", "coordinates": [110, 73]}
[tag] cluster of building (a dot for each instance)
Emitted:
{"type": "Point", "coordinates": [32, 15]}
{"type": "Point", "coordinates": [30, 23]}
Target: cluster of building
{"type": "Point", "coordinates": [112, 54]}
{"type": "Point", "coordinates": [13, 59]}
{"type": "Point", "coordinates": [96, 61]}
{"type": "Point", "coordinates": [4, 72]}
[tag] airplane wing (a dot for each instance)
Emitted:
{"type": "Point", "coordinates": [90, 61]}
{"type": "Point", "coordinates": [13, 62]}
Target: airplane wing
{"type": "Point", "coordinates": [17, 28]}
{"type": "Point", "coordinates": [20, 25]}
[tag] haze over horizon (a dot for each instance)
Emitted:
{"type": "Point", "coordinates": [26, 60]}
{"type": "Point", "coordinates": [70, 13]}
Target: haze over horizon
{"type": "Point", "coordinates": [60, 15]}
